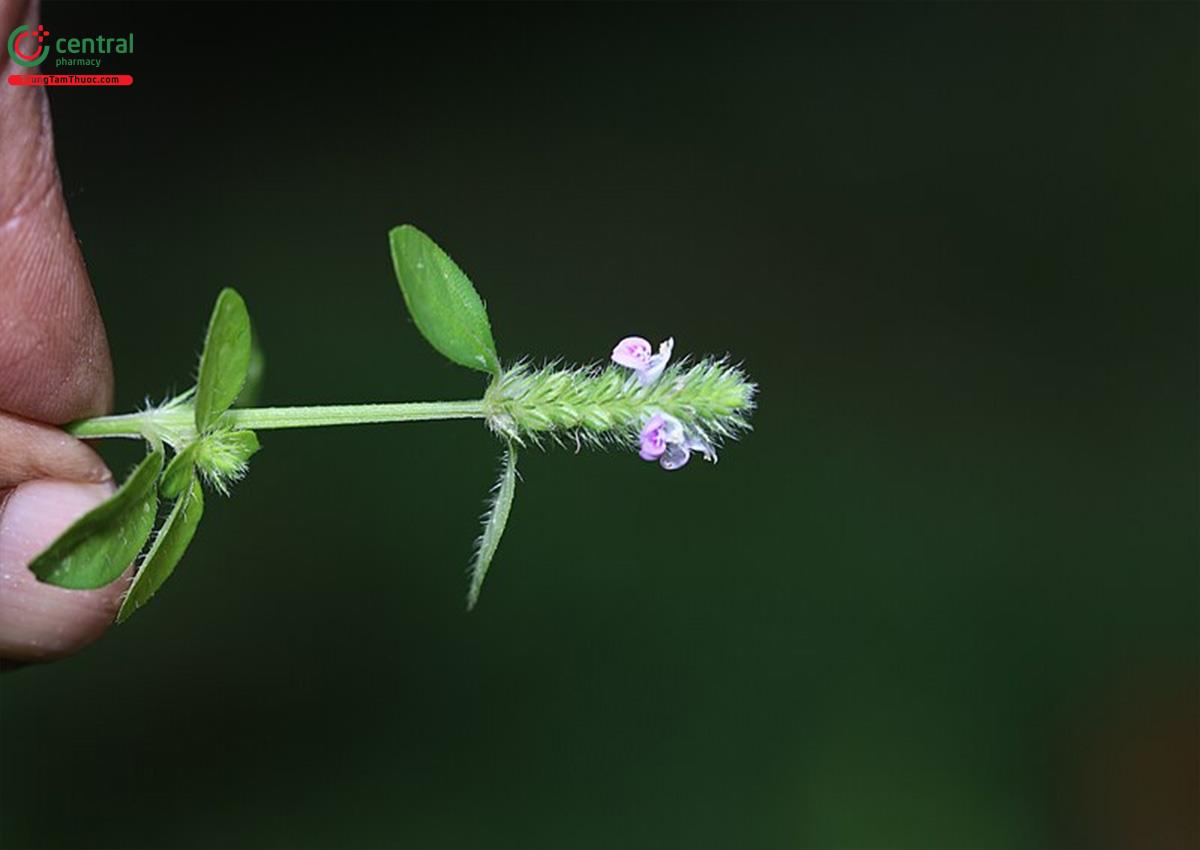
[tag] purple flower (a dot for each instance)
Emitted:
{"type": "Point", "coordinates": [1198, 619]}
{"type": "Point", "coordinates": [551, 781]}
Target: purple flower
{"type": "Point", "coordinates": [663, 439]}
{"type": "Point", "coordinates": [658, 433]}
{"type": "Point", "coordinates": [635, 353]}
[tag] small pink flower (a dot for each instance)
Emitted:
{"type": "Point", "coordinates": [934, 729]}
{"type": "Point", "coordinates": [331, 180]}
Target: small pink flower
{"type": "Point", "coordinates": [635, 353]}
{"type": "Point", "coordinates": [632, 352]}
{"type": "Point", "coordinates": [658, 433]}
{"type": "Point", "coordinates": [663, 439]}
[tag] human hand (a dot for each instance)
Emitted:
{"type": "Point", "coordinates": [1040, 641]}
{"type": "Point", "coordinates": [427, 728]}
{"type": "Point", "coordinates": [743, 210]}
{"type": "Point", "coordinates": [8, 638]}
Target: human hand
{"type": "Point", "coordinates": [54, 367]}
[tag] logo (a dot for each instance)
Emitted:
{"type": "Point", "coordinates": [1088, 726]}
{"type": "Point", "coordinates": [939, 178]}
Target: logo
{"type": "Point", "coordinates": [22, 52]}
{"type": "Point", "coordinates": [29, 47]}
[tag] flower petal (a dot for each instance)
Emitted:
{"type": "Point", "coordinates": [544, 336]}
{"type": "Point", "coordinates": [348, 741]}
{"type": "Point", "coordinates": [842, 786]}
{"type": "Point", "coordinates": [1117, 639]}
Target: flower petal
{"type": "Point", "coordinates": [696, 444]}
{"type": "Point", "coordinates": [651, 451]}
{"type": "Point", "coordinates": [653, 440]}
{"type": "Point", "coordinates": [675, 456]}
{"type": "Point", "coordinates": [656, 363]}
{"type": "Point", "coordinates": [633, 352]}
{"type": "Point", "coordinates": [672, 428]}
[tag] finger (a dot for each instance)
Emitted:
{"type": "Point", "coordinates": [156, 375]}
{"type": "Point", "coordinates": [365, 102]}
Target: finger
{"type": "Point", "coordinates": [54, 359]}
{"type": "Point", "coordinates": [31, 450]}
{"type": "Point", "coordinates": [40, 622]}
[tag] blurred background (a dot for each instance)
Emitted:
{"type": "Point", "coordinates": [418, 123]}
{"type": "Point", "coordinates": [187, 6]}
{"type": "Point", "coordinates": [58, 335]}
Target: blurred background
{"type": "Point", "coordinates": [944, 595]}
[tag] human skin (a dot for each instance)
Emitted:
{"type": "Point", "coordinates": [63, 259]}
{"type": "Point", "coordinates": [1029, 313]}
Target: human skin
{"type": "Point", "coordinates": [54, 367]}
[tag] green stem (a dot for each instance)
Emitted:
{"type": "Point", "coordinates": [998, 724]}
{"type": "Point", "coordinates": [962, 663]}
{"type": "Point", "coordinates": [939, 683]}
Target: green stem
{"type": "Point", "coordinates": [179, 420]}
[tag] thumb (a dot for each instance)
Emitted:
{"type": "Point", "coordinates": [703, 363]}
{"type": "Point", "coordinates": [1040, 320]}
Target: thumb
{"type": "Point", "coordinates": [40, 622]}
{"type": "Point", "coordinates": [47, 481]}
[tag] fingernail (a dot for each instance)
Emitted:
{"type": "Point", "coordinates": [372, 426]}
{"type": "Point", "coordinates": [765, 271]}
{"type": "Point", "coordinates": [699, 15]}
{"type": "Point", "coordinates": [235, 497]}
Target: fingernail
{"type": "Point", "coordinates": [40, 621]}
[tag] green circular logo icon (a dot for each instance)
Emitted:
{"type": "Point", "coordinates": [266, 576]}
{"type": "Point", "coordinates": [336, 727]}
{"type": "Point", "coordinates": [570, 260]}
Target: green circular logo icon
{"type": "Point", "coordinates": [23, 51]}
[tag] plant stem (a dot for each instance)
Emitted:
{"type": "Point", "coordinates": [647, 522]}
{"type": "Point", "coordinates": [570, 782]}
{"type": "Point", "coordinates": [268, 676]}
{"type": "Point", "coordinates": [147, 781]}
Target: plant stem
{"type": "Point", "coordinates": [179, 420]}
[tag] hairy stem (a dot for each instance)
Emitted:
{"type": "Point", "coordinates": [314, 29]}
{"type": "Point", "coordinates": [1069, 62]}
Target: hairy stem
{"type": "Point", "coordinates": [172, 422]}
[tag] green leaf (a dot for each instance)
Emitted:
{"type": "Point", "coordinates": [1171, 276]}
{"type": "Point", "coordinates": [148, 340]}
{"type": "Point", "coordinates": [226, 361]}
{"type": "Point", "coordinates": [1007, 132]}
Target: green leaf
{"type": "Point", "coordinates": [170, 544]}
{"type": "Point", "coordinates": [252, 388]}
{"type": "Point", "coordinates": [178, 473]}
{"type": "Point", "coordinates": [442, 301]}
{"type": "Point", "coordinates": [242, 445]}
{"type": "Point", "coordinates": [99, 545]}
{"type": "Point", "coordinates": [494, 521]}
{"type": "Point", "coordinates": [225, 360]}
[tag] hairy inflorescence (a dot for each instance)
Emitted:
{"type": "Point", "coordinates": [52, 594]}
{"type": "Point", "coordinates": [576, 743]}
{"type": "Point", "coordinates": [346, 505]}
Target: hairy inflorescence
{"type": "Point", "coordinates": [606, 405]}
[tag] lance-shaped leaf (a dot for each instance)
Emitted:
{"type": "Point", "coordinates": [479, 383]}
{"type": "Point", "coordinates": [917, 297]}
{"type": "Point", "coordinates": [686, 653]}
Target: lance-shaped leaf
{"type": "Point", "coordinates": [178, 472]}
{"type": "Point", "coordinates": [442, 301]}
{"type": "Point", "coordinates": [98, 546]}
{"type": "Point", "coordinates": [494, 520]}
{"type": "Point", "coordinates": [225, 359]}
{"type": "Point", "coordinates": [168, 548]}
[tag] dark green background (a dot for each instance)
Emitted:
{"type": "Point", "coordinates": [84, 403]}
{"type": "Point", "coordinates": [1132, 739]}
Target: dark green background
{"type": "Point", "coordinates": [944, 595]}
